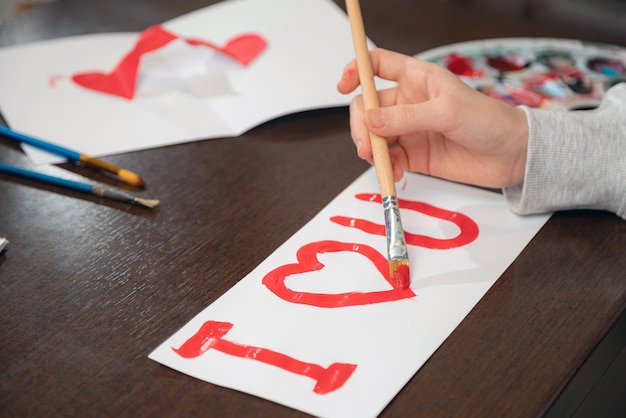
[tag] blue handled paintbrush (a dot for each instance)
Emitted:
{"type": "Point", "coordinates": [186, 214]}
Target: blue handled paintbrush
{"type": "Point", "coordinates": [97, 190]}
{"type": "Point", "coordinates": [73, 156]}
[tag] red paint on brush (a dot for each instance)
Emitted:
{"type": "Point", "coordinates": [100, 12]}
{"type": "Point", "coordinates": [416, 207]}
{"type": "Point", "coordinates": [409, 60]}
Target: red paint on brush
{"type": "Point", "coordinates": [210, 336]}
{"type": "Point", "coordinates": [401, 277]}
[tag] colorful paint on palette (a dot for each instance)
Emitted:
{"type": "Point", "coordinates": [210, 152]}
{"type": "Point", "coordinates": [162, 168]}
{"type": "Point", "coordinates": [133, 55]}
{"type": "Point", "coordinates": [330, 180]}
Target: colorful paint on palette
{"type": "Point", "coordinates": [541, 73]}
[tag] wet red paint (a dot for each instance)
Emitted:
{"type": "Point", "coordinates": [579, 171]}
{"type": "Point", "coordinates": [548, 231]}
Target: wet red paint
{"type": "Point", "coordinates": [328, 379]}
{"type": "Point", "coordinates": [401, 277]}
{"type": "Point", "coordinates": [462, 65]}
{"type": "Point", "coordinates": [308, 262]}
{"type": "Point", "coordinates": [507, 62]}
{"type": "Point", "coordinates": [468, 228]}
{"type": "Point", "coordinates": [211, 336]}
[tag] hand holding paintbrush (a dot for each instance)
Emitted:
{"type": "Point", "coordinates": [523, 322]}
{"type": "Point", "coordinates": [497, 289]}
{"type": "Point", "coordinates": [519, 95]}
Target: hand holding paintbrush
{"type": "Point", "coordinates": [396, 243]}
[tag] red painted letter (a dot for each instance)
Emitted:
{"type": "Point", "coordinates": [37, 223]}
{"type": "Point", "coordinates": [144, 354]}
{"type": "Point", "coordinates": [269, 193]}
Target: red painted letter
{"type": "Point", "coordinates": [211, 334]}
{"type": "Point", "coordinates": [469, 229]}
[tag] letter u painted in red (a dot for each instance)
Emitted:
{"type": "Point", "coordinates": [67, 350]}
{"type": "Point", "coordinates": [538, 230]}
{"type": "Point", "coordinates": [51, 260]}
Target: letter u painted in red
{"type": "Point", "coordinates": [469, 228]}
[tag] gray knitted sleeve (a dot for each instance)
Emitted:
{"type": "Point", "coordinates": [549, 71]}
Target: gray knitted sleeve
{"type": "Point", "coordinates": [576, 159]}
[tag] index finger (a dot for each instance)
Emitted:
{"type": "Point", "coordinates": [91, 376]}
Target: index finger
{"type": "Point", "coordinates": [387, 65]}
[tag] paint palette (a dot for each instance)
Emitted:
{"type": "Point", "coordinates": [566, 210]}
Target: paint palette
{"type": "Point", "coordinates": [536, 72]}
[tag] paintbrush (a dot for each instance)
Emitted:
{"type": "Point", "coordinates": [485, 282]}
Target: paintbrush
{"type": "Point", "coordinates": [396, 242]}
{"type": "Point", "coordinates": [74, 156]}
{"type": "Point", "coordinates": [96, 189]}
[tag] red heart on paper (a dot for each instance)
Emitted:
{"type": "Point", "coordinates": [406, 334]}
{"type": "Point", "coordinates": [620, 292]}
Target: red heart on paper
{"type": "Point", "coordinates": [123, 79]}
{"type": "Point", "coordinates": [308, 262]}
{"type": "Point", "coordinates": [243, 48]}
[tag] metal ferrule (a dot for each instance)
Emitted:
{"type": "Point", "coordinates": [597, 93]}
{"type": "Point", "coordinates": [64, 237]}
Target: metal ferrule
{"type": "Point", "coordinates": [112, 194]}
{"type": "Point", "coordinates": [396, 243]}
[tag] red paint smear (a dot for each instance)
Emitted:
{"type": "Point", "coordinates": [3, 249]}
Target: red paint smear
{"type": "Point", "coordinates": [401, 277]}
{"type": "Point", "coordinates": [122, 80]}
{"type": "Point", "coordinates": [469, 228]}
{"type": "Point", "coordinates": [54, 79]}
{"type": "Point", "coordinates": [307, 262]}
{"type": "Point", "coordinates": [506, 63]}
{"type": "Point", "coordinates": [210, 336]}
{"type": "Point", "coordinates": [462, 65]}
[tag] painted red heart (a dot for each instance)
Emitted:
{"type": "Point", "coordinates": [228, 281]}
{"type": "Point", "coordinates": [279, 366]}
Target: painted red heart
{"type": "Point", "coordinates": [123, 79]}
{"type": "Point", "coordinates": [243, 48]}
{"type": "Point", "coordinates": [308, 262]}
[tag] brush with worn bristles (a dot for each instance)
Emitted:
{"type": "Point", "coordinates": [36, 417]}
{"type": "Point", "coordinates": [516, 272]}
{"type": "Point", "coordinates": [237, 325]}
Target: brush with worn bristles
{"type": "Point", "coordinates": [122, 174]}
{"type": "Point", "coordinates": [396, 242]}
{"type": "Point", "coordinates": [97, 190]}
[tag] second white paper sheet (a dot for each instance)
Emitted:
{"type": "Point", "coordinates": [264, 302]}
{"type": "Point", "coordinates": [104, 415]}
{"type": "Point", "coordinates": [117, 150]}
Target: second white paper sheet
{"type": "Point", "coordinates": [308, 44]}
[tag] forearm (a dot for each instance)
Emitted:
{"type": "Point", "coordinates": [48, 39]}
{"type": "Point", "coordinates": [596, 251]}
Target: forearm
{"type": "Point", "coordinates": [576, 159]}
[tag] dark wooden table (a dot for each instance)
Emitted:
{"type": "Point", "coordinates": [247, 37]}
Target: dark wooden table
{"type": "Point", "coordinates": [89, 287]}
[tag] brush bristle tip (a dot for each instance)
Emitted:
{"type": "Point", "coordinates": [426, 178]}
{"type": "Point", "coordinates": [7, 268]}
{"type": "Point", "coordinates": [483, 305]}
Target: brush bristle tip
{"type": "Point", "coordinates": [149, 203]}
{"type": "Point", "coordinates": [400, 274]}
{"type": "Point", "coordinates": [131, 178]}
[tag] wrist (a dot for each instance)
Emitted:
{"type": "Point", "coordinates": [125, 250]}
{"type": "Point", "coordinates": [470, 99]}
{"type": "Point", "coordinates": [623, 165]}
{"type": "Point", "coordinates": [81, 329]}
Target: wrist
{"type": "Point", "coordinates": [520, 151]}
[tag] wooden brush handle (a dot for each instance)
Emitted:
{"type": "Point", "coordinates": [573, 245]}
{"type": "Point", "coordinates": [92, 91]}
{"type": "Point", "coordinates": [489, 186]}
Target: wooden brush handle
{"type": "Point", "coordinates": [380, 148]}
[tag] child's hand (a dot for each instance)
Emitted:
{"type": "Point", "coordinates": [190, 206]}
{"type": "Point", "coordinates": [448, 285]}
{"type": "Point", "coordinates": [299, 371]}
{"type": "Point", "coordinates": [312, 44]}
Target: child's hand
{"type": "Point", "coordinates": [438, 125]}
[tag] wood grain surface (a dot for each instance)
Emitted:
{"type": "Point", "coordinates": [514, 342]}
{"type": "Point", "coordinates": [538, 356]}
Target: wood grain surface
{"type": "Point", "coordinates": [89, 287]}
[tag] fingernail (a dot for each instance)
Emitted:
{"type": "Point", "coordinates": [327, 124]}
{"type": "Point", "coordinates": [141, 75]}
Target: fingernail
{"type": "Point", "coordinates": [348, 74]}
{"type": "Point", "coordinates": [376, 118]}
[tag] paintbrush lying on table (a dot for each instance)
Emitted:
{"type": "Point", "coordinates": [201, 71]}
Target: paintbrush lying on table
{"type": "Point", "coordinates": [124, 175]}
{"type": "Point", "coordinates": [396, 242]}
{"type": "Point", "coordinates": [97, 190]}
